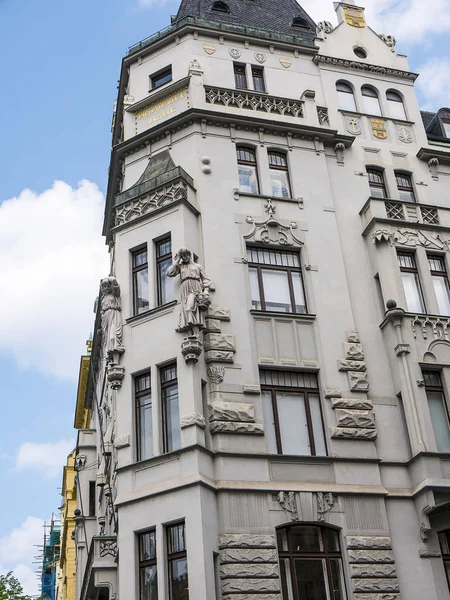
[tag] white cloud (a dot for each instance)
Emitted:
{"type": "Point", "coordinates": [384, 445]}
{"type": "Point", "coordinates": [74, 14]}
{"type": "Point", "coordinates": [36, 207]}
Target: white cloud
{"type": "Point", "coordinates": [53, 257]}
{"type": "Point", "coordinates": [47, 458]}
{"type": "Point", "coordinates": [434, 83]}
{"type": "Point", "coordinates": [17, 551]}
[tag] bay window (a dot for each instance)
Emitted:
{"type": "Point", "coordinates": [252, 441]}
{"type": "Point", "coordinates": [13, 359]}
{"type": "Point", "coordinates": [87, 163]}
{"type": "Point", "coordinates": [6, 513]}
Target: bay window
{"type": "Point", "coordinates": [411, 282]}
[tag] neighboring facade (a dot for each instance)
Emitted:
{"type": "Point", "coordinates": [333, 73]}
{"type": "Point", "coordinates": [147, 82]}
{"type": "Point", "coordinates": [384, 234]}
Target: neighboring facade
{"type": "Point", "coordinates": [66, 571]}
{"type": "Point", "coordinates": [270, 364]}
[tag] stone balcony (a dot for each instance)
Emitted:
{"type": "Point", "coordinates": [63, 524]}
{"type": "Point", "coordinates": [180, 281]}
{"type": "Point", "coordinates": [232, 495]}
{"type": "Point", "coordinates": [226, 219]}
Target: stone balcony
{"type": "Point", "coordinates": [392, 210]}
{"type": "Point", "coordinates": [101, 568]}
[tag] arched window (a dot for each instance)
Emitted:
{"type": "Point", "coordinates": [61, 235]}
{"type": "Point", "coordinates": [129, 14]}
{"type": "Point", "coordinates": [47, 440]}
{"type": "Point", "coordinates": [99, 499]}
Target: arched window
{"type": "Point", "coordinates": [300, 22]}
{"type": "Point", "coordinates": [371, 101]}
{"type": "Point", "coordinates": [346, 96]}
{"type": "Point", "coordinates": [279, 174]}
{"type": "Point", "coordinates": [247, 169]}
{"type": "Point", "coordinates": [221, 7]}
{"type": "Point", "coordinates": [310, 563]}
{"type": "Point", "coordinates": [376, 183]}
{"type": "Point", "coordinates": [395, 105]}
{"type": "Point", "coordinates": [405, 186]}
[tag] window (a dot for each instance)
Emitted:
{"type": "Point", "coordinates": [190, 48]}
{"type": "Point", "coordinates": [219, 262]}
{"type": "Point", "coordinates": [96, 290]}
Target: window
{"type": "Point", "coordinates": [279, 175]}
{"type": "Point", "coordinates": [310, 563]}
{"type": "Point", "coordinates": [163, 262]}
{"type": "Point", "coordinates": [444, 541]}
{"type": "Point", "coordinates": [177, 562]}
{"type": "Point", "coordinates": [300, 22]}
{"type": "Point", "coordinates": [92, 498]}
{"type": "Point", "coordinates": [258, 79]}
{"type": "Point", "coordinates": [147, 566]}
{"type": "Point", "coordinates": [346, 96]}
{"type": "Point", "coordinates": [240, 77]}
{"type": "Point", "coordinates": [360, 52]}
{"type": "Point", "coordinates": [248, 173]}
{"type": "Point", "coordinates": [438, 409]}
{"type": "Point", "coordinates": [371, 101]}
{"type": "Point", "coordinates": [446, 126]}
{"type": "Point", "coordinates": [160, 78]}
{"type": "Point", "coordinates": [144, 416]}
{"type": "Point", "coordinates": [376, 183]}
{"type": "Point", "coordinates": [292, 413]}
{"type": "Point", "coordinates": [411, 282]}
{"type": "Point", "coordinates": [140, 281]}
{"type": "Point", "coordinates": [170, 408]}
{"type": "Point", "coordinates": [221, 7]}
{"type": "Point", "coordinates": [276, 282]}
{"type": "Point", "coordinates": [405, 187]}
{"type": "Point", "coordinates": [440, 283]}
{"type": "Point", "coordinates": [395, 104]}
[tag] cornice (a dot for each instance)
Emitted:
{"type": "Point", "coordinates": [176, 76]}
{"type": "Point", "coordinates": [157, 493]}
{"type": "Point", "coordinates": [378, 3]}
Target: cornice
{"type": "Point", "coordinates": [355, 65]}
{"type": "Point", "coordinates": [427, 154]}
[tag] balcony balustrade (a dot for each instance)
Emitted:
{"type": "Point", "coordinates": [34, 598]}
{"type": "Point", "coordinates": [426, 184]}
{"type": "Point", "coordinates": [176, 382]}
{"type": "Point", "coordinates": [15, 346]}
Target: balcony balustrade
{"type": "Point", "coordinates": [254, 101]}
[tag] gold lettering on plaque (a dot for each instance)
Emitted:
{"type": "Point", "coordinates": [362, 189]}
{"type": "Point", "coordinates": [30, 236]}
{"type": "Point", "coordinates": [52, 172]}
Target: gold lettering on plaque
{"type": "Point", "coordinates": [354, 16]}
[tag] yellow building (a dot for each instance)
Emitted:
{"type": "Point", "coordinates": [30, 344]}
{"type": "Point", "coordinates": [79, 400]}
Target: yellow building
{"type": "Point", "coordinates": [66, 573]}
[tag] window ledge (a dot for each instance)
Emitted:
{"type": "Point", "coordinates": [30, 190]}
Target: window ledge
{"type": "Point", "coordinates": [371, 116]}
{"type": "Point", "coordinates": [237, 193]}
{"type": "Point", "coordinates": [278, 315]}
{"type": "Point", "coordinates": [153, 313]}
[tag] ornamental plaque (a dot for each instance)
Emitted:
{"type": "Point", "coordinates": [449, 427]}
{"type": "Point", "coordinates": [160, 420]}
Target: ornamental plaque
{"type": "Point", "coordinates": [405, 134]}
{"type": "Point", "coordinates": [379, 128]}
{"type": "Point", "coordinates": [285, 61]}
{"type": "Point", "coordinates": [353, 125]}
{"type": "Point", "coordinates": [354, 16]}
{"type": "Point", "coordinates": [209, 48]}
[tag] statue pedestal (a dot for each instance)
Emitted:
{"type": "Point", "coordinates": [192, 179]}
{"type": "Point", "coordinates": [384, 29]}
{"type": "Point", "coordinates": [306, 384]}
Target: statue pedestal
{"type": "Point", "coordinates": [191, 348]}
{"type": "Point", "coordinates": [115, 376]}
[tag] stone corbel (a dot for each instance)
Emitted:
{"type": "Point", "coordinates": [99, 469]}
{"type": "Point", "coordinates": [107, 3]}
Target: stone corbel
{"type": "Point", "coordinates": [288, 503]}
{"type": "Point", "coordinates": [116, 375]}
{"type": "Point", "coordinates": [433, 164]}
{"type": "Point", "coordinates": [425, 504]}
{"type": "Point", "coordinates": [340, 149]}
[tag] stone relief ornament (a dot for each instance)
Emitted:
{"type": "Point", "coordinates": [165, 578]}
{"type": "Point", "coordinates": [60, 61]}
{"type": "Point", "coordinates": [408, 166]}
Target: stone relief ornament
{"type": "Point", "coordinates": [193, 419]}
{"type": "Point", "coordinates": [405, 237]}
{"type": "Point", "coordinates": [405, 134]}
{"type": "Point", "coordinates": [389, 40]}
{"type": "Point", "coordinates": [324, 27]}
{"type": "Point", "coordinates": [260, 57]}
{"type": "Point", "coordinates": [285, 62]}
{"type": "Point", "coordinates": [323, 116]}
{"type": "Point", "coordinates": [288, 503]}
{"type": "Point", "coordinates": [108, 548]}
{"type": "Point", "coordinates": [325, 502]}
{"type": "Point", "coordinates": [271, 231]}
{"type": "Point", "coordinates": [111, 316]}
{"type": "Point", "coordinates": [195, 68]}
{"type": "Point", "coordinates": [216, 374]}
{"type": "Point", "coordinates": [353, 125]}
{"type": "Point", "coordinates": [209, 48]}
{"type": "Point", "coordinates": [234, 52]}
{"type": "Point", "coordinates": [354, 16]}
{"type": "Point", "coordinates": [379, 128]}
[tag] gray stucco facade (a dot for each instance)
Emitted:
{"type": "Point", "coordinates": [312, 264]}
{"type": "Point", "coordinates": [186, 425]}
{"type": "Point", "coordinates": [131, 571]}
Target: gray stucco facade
{"type": "Point", "coordinates": [316, 407]}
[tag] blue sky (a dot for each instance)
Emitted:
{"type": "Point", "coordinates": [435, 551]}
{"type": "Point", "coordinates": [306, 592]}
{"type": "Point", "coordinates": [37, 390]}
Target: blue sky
{"type": "Point", "coordinates": [61, 62]}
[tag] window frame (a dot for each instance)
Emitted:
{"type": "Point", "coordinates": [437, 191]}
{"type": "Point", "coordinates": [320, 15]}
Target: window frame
{"type": "Point", "coordinates": [160, 74]}
{"type": "Point", "coordinates": [376, 95]}
{"type": "Point", "coordinates": [137, 395]}
{"type": "Point", "coordinates": [134, 271]}
{"type": "Point", "coordinates": [158, 260]}
{"type": "Point", "coordinates": [439, 389]}
{"type": "Point", "coordinates": [173, 556]}
{"type": "Point", "coordinates": [220, 6]}
{"type": "Point", "coordinates": [151, 562]}
{"type": "Point", "coordinates": [261, 77]}
{"type": "Point", "coordinates": [243, 67]}
{"type": "Point", "coordinates": [284, 168]}
{"type": "Point", "coordinates": [247, 163]}
{"type": "Point", "coordinates": [375, 185]}
{"type": "Point", "coordinates": [350, 93]}
{"type": "Point", "coordinates": [443, 274]}
{"type": "Point", "coordinates": [309, 423]}
{"type": "Point", "coordinates": [403, 188]}
{"type": "Point", "coordinates": [414, 270]}
{"type": "Point", "coordinates": [399, 101]}
{"type": "Point", "coordinates": [446, 126]}
{"type": "Point", "coordinates": [163, 385]}
{"type": "Point", "coordinates": [326, 555]}
{"type": "Point", "coordinates": [260, 267]}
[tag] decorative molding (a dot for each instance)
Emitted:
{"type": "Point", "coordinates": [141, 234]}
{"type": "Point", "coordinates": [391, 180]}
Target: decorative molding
{"type": "Point", "coordinates": [355, 418]}
{"type": "Point", "coordinates": [410, 238]}
{"type": "Point", "coordinates": [288, 502]}
{"type": "Point", "coordinates": [195, 68]}
{"type": "Point", "coordinates": [333, 393]}
{"type": "Point", "coordinates": [340, 149]}
{"type": "Point", "coordinates": [191, 348]}
{"type": "Point", "coordinates": [324, 27]}
{"type": "Point", "coordinates": [220, 356]}
{"type": "Point", "coordinates": [246, 540]}
{"type": "Point", "coordinates": [389, 40]}
{"type": "Point", "coordinates": [258, 586]}
{"type": "Point", "coordinates": [370, 556]}
{"type": "Point", "coordinates": [193, 419]}
{"type": "Point", "coordinates": [347, 433]}
{"type": "Point", "coordinates": [248, 555]}
{"type": "Point", "coordinates": [237, 412]}
{"type": "Point", "coordinates": [236, 428]}
{"type": "Point", "coordinates": [358, 381]}
{"type": "Point", "coordinates": [138, 207]}
{"type": "Point", "coordinates": [405, 134]}
{"type": "Point", "coordinates": [234, 53]}
{"type": "Point", "coordinates": [271, 230]}
{"type": "Point", "coordinates": [325, 502]}
{"type": "Point", "coordinates": [351, 365]}
{"type": "Point", "coordinates": [373, 571]}
{"type": "Point", "coordinates": [122, 442]}
{"type": "Point", "coordinates": [440, 327]}
{"type": "Point", "coordinates": [254, 101]}
{"type": "Point", "coordinates": [323, 116]}
{"type": "Point", "coordinates": [245, 570]}
{"type": "Point", "coordinates": [80, 461]}
{"type": "Point", "coordinates": [364, 542]}
{"type": "Point", "coordinates": [353, 125]}
{"type": "Point", "coordinates": [353, 337]}
{"type": "Point", "coordinates": [116, 376]}
{"type": "Point", "coordinates": [352, 403]}
{"type": "Point", "coordinates": [353, 351]}
{"type": "Point", "coordinates": [108, 548]}
{"type": "Point", "coordinates": [220, 341]}
{"type": "Point", "coordinates": [260, 57]}
{"type": "Point", "coordinates": [358, 66]}
{"type": "Point", "coordinates": [216, 373]}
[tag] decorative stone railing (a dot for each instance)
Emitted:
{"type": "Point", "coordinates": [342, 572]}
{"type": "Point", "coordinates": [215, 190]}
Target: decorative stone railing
{"type": "Point", "coordinates": [431, 326]}
{"type": "Point", "coordinates": [387, 209]}
{"type": "Point", "coordinates": [400, 211]}
{"type": "Point", "coordinates": [254, 101]}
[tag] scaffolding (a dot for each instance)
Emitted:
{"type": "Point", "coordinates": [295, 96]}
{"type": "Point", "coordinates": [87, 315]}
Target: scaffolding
{"type": "Point", "coordinates": [48, 558]}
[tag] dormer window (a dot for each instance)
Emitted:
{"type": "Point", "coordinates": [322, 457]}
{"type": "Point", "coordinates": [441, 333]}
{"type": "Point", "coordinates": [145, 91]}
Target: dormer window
{"type": "Point", "coordinates": [446, 126]}
{"type": "Point", "coordinates": [220, 7]}
{"type": "Point", "coordinates": [300, 22]}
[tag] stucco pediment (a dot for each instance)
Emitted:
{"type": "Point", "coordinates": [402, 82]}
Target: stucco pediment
{"type": "Point", "coordinates": [272, 230]}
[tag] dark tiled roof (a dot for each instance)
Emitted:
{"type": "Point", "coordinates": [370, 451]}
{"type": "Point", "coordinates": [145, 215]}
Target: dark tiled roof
{"type": "Point", "coordinates": [427, 117]}
{"type": "Point", "coordinates": [273, 15]}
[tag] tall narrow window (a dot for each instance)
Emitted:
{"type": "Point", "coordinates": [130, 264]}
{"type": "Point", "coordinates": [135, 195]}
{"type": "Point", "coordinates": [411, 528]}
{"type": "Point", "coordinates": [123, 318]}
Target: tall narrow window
{"type": "Point", "coordinates": [240, 77]}
{"type": "Point", "coordinates": [170, 408]}
{"type": "Point", "coordinates": [411, 282]}
{"type": "Point", "coordinates": [405, 186]}
{"type": "Point", "coordinates": [247, 169]}
{"type": "Point", "coordinates": [444, 541]}
{"type": "Point", "coordinates": [440, 283]}
{"type": "Point", "coordinates": [163, 262]}
{"type": "Point", "coordinates": [346, 96]}
{"type": "Point", "coordinates": [377, 184]}
{"type": "Point", "coordinates": [147, 566]}
{"type": "Point", "coordinates": [92, 498]}
{"type": "Point", "coordinates": [144, 416]}
{"type": "Point", "coordinates": [276, 282]}
{"type": "Point", "coordinates": [258, 79]}
{"type": "Point", "coordinates": [371, 101]}
{"type": "Point", "coordinates": [140, 281]}
{"type": "Point", "coordinates": [310, 563]}
{"type": "Point", "coordinates": [438, 409]}
{"type": "Point", "coordinates": [279, 175]}
{"type": "Point", "coordinates": [177, 562]}
{"type": "Point", "coordinates": [292, 413]}
{"type": "Point", "coordinates": [395, 104]}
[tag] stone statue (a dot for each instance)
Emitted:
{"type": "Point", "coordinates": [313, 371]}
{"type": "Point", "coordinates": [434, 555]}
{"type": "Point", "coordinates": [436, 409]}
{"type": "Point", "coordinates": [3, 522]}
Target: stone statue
{"type": "Point", "coordinates": [112, 324]}
{"type": "Point", "coordinates": [194, 293]}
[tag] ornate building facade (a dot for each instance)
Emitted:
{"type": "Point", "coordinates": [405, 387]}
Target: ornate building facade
{"type": "Point", "coordinates": [271, 358]}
